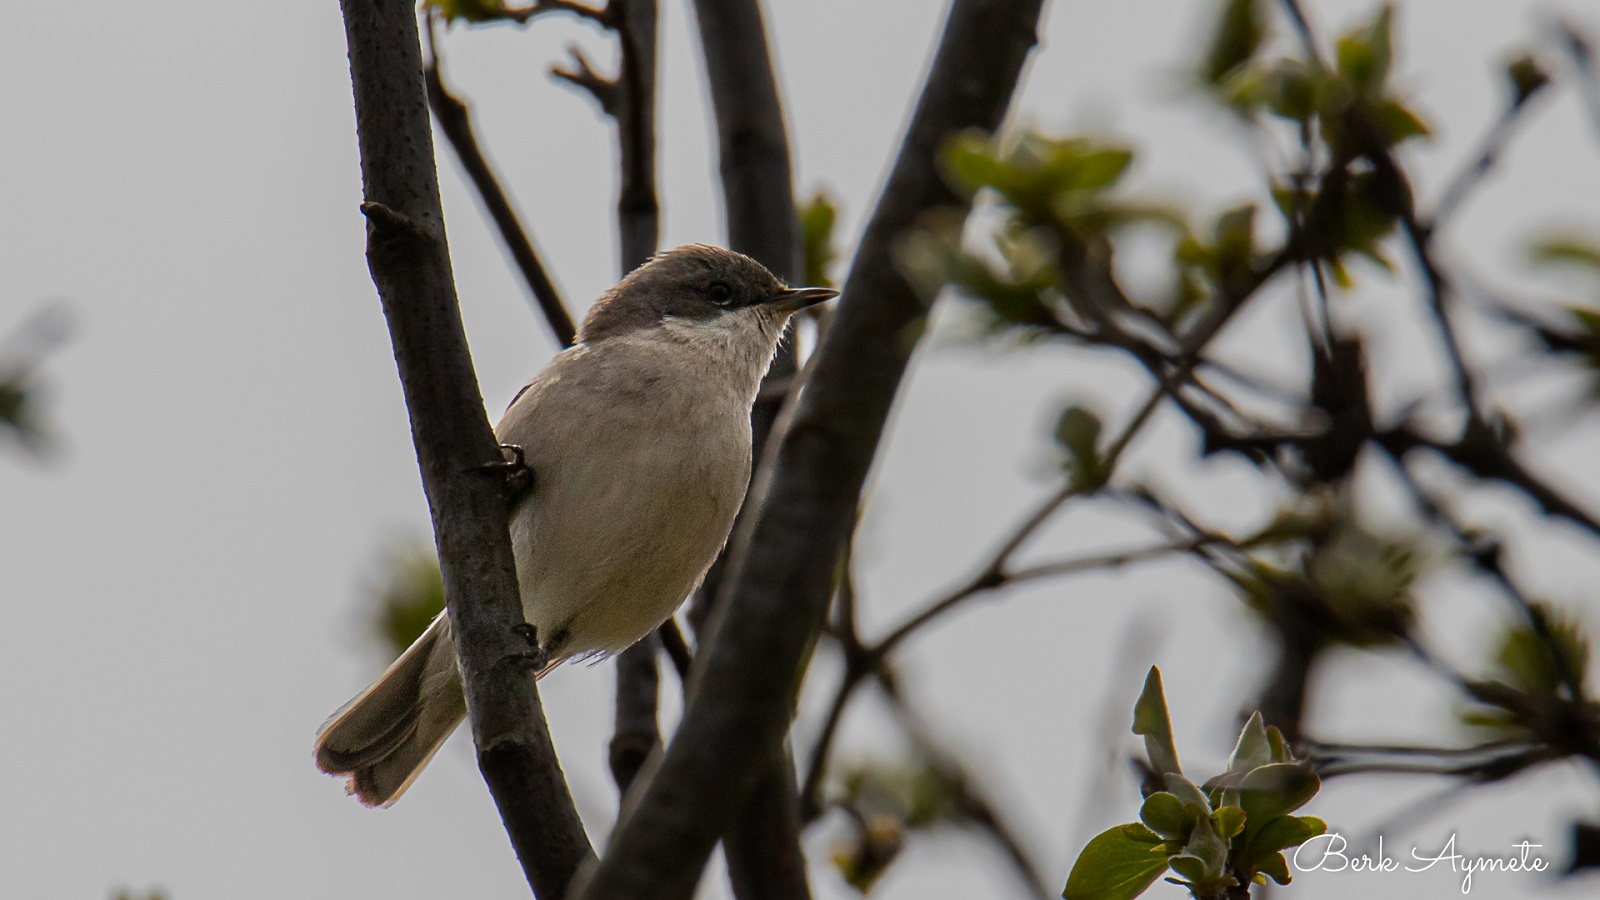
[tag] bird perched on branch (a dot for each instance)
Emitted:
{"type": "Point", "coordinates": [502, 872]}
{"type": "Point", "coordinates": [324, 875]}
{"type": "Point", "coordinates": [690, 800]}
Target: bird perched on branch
{"type": "Point", "coordinates": [638, 437]}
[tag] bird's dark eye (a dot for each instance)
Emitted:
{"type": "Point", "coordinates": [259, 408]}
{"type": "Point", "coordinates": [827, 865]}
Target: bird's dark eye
{"type": "Point", "coordinates": [720, 293]}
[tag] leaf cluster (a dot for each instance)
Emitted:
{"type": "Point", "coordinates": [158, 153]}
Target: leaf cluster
{"type": "Point", "coordinates": [1318, 568]}
{"type": "Point", "coordinates": [1229, 832]}
{"type": "Point", "coordinates": [889, 800]}
{"type": "Point", "coordinates": [1535, 690]}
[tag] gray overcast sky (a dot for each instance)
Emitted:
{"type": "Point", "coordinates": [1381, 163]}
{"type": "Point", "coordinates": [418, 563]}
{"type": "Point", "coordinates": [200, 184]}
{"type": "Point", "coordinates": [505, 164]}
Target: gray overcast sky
{"type": "Point", "coordinates": [182, 585]}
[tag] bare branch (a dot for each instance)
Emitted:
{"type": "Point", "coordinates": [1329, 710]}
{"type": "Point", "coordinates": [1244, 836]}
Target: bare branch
{"type": "Point", "coordinates": [455, 122]}
{"type": "Point", "coordinates": [1480, 453]}
{"type": "Point", "coordinates": [410, 265]}
{"type": "Point", "coordinates": [976, 808]}
{"type": "Point", "coordinates": [604, 90]}
{"type": "Point", "coordinates": [677, 648]}
{"type": "Point", "coordinates": [783, 568]}
{"type": "Point", "coordinates": [636, 733]}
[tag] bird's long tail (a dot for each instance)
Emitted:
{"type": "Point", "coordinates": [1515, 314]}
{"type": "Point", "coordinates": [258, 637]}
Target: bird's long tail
{"type": "Point", "coordinates": [386, 735]}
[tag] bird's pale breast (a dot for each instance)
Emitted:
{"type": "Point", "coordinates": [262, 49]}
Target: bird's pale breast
{"type": "Point", "coordinates": [635, 489]}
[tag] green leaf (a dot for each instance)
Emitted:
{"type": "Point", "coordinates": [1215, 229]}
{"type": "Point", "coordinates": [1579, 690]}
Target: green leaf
{"type": "Point", "coordinates": [1526, 77]}
{"type": "Point", "coordinates": [1191, 867]}
{"type": "Point", "coordinates": [1275, 790]}
{"type": "Point", "coordinates": [970, 163]}
{"type": "Point", "coordinates": [410, 597]}
{"type": "Point", "coordinates": [1252, 748]}
{"type": "Point", "coordinates": [1078, 433]}
{"type": "Point", "coordinates": [1165, 815]}
{"type": "Point", "coordinates": [1229, 821]}
{"type": "Point", "coordinates": [1366, 55]}
{"type": "Point", "coordinates": [1566, 250]}
{"type": "Point", "coordinates": [817, 218]}
{"type": "Point", "coordinates": [1204, 860]}
{"type": "Point", "coordinates": [1284, 832]}
{"type": "Point", "coordinates": [1399, 124]}
{"type": "Point", "coordinates": [1275, 867]}
{"type": "Point", "coordinates": [1192, 797]}
{"type": "Point", "coordinates": [1136, 831]}
{"type": "Point", "coordinates": [1150, 720]}
{"type": "Point", "coordinates": [1235, 239]}
{"type": "Point", "coordinates": [1114, 867]}
{"type": "Point", "coordinates": [1099, 169]}
{"type": "Point", "coordinates": [1237, 37]}
{"type": "Point", "coordinates": [1524, 660]}
{"type": "Point", "coordinates": [1280, 747]}
{"type": "Point", "coordinates": [1291, 90]}
{"type": "Point", "coordinates": [468, 10]}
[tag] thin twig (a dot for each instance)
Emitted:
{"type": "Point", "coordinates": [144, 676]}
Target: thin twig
{"type": "Point", "coordinates": [455, 122]}
{"type": "Point", "coordinates": [976, 808]}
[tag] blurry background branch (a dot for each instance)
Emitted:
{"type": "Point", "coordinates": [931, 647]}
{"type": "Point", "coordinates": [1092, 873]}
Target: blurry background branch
{"type": "Point", "coordinates": [23, 352]}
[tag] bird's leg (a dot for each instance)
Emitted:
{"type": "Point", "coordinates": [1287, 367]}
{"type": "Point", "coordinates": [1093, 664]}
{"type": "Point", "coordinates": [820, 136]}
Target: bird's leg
{"type": "Point", "coordinates": [514, 468]}
{"type": "Point", "coordinates": [534, 657]}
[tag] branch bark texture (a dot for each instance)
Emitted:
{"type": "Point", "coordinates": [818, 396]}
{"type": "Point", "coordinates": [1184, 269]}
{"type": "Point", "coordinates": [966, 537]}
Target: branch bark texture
{"type": "Point", "coordinates": [765, 860]}
{"type": "Point", "coordinates": [410, 264]}
{"type": "Point", "coordinates": [781, 580]}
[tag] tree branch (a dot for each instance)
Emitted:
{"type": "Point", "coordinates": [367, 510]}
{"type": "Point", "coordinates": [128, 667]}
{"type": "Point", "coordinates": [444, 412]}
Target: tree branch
{"type": "Point", "coordinates": [455, 122]}
{"type": "Point", "coordinates": [410, 264]}
{"type": "Point", "coordinates": [1484, 456]}
{"type": "Point", "coordinates": [765, 861]}
{"type": "Point", "coordinates": [757, 191]}
{"type": "Point", "coordinates": [739, 705]}
{"type": "Point", "coordinates": [630, 101]}
{"type": "Point", "coordinates": [636, 732]}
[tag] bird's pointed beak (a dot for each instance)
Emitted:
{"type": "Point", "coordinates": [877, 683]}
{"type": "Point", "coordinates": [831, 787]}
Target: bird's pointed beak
{"type": "Point", "coordinates": [794, 299]}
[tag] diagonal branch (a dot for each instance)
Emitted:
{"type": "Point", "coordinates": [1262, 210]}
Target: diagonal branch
{"type": "Point", "coordinates": [784, 562]}
{"type": "Point", "coordinates": [410, 265]}
{"type": "Point", "coordinates": [455, 122]}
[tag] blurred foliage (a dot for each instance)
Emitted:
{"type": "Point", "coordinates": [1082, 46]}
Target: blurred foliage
{"type": "Point", "coordinates": [467, 10]}
{"type": "Point", "coordinates": [1078, 436]}
{"type": "Point", "coordinates": [817, 217]}
{"type": "Point", "coordinates": [152, 894]}
{"type": "Point", "coordinates": [408, 597]}
{"type": "Point", "coordinates": [1321, 569]}
{"type": "Point", "coordinates": [1528, 692]}
{"type": "Point", "coordinates": [22, 354]}
{"type": "Point", "coordinates": [1579, 334]}
{"type": "Point", "coordinates": [1046, 269]}
{"type": "Point", "coordinates": [1229, 832]}
{"type": "Point", "coordinates": [888, 800]}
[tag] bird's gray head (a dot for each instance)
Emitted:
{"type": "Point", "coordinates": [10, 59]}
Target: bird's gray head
{"type": "Point", "coordinates": [697, 284]}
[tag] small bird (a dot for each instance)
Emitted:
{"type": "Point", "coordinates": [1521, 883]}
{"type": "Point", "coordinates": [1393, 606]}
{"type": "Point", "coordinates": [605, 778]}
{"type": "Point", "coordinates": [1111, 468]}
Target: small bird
{"type": "Point", "coordinates": [638, 437]}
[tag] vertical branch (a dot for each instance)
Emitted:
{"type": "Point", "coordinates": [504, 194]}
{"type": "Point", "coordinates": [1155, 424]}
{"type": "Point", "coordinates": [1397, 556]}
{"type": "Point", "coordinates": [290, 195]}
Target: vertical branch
{"type": "Point", "coordinates": [757, 185]}
{"type": "Point", "coordinates": [637, 731]}
{"type": "Point", "coordinates": [410, 264]}
{"type": "Point", "coordinates": [635, 734]}
{"type": "Point", "coordinates": [638, 212]}
{"type": "Point", "coordinates": [765, 861]}
{"type": "Point", "coordinates": [808, 491]}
